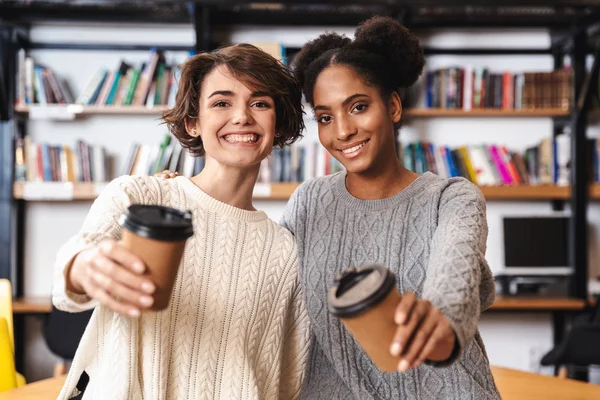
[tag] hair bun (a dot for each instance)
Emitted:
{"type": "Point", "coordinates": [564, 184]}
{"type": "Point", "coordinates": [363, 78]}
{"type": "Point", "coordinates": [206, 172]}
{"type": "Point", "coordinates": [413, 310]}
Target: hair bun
{"type": "Point", "coordinates": [395, 43]}
{"type": "Point", "coordinates": [314, 49]}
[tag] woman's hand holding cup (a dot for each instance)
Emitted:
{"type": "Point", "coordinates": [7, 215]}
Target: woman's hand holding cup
{"type": "Point", "coordinates": [423, 333]}
{"type": "Point", "coordinates": [112, 275]}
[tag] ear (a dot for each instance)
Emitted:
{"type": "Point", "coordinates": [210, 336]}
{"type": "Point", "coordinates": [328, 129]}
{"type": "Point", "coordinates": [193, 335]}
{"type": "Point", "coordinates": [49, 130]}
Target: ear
{"type": "Point", "coordinates": [191, 126]}
{"type": "Point", "coordinates": [395, 107]}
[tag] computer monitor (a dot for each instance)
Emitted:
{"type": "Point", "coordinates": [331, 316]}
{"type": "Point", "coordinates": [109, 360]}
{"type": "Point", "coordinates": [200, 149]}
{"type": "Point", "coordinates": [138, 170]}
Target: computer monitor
{"type": "Point", "coordinates": [536, 245]}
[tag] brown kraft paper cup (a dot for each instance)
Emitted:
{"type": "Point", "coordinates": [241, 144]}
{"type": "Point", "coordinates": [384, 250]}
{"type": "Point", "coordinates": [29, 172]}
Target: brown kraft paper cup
{"type": "Point", "coordinates": [365, 300]}
{"type": "Point", "coordinates": [157, 235]}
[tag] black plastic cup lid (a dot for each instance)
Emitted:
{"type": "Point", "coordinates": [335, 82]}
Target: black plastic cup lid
{"type": "Point", "coordinates": [158, 222]}
{"type": "Point", "coordinates": [358, 289]}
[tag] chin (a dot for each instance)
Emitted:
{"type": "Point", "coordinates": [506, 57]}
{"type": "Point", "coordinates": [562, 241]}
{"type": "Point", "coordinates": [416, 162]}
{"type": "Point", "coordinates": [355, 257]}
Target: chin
{"type": "Point", "coordinates": [358, 166]}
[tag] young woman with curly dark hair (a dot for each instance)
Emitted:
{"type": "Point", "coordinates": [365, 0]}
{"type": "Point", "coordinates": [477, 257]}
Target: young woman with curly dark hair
{"type": "Point", "coordinates": [431, 232]}
{"type": "Point", "coordinates": [236, 326]}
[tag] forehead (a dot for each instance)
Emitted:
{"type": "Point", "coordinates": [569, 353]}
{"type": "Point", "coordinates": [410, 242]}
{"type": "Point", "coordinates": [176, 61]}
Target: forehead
{"type": "Point", "coordinates": [222, 79]}
{"type": "Point", "coordinates": [336, 83]}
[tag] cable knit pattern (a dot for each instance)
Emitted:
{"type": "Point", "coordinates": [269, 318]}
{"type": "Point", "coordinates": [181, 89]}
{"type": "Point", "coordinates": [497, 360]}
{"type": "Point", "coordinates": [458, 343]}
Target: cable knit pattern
{"type": "Point", "coordinates": [236, 327]}
{"type": "Point", "coordinates": [432, 235]}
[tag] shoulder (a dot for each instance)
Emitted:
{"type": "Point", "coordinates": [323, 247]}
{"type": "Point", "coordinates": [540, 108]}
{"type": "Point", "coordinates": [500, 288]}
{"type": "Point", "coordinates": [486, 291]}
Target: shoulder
{"type": "Point", "coordinates": [141, 189]}
{"type": "Point", "coordinates": [315, 186]}
{"type": "Point", "coordinates": [281, 234]}
{"type": "Point", "coordinates": [451, 189]}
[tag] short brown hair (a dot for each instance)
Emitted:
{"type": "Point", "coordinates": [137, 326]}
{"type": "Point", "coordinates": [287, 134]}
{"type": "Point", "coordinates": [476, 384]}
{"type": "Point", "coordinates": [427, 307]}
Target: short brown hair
{"type": "Point", "coordinates": [254, 68]}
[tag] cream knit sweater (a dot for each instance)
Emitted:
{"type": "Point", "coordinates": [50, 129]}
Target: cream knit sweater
{"type": "Point", "coordinates": [236, 327]}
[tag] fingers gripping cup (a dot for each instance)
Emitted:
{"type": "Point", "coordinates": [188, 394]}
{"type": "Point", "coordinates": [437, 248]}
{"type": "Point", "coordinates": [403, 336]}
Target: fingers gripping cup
{"type": "Point", "coordinates": [157, 235]}
{"type": "Point", "coordinates": [365, 300]}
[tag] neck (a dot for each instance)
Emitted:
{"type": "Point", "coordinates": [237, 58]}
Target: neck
{"type": "Point", "coordinates": [380, 183]}
{"type": "Point", "coordinates": [230, 185]}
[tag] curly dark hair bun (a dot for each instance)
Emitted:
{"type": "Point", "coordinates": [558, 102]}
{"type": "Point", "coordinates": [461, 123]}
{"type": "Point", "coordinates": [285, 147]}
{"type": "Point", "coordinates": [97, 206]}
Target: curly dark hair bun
{"type": "Point", "coordinates": [384, 53]}
{"type": "Point", "coordinates": [315, 49]}
{"type": "Point", "coordinates": [387, 37]}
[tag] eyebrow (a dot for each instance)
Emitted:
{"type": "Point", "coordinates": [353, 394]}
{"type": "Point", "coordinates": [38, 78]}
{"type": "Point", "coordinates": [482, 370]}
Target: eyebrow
{"type": "Point", "coordinates": [229, 93]}
{"type": "Point", "coordinates": [344, 103]}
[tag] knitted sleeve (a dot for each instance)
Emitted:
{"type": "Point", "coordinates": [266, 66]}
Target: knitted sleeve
{"type": "Point", "coordinates": [458, 281]}
{"type": "Point", "coordinates": [101, 223]}
{"type": "Point", "coordinates": [295, 346]}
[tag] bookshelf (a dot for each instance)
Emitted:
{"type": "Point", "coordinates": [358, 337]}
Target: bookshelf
{"type": "Point", "coordinates": [58, 191]}
{"type": "Point", "coordinates": [206, 16]}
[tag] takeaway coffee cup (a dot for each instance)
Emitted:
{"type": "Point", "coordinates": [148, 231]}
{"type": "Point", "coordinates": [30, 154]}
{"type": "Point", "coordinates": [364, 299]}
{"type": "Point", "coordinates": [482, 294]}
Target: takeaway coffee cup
{"type": "Point", "coordinates": [157, 235]}
{"type": "Point", "coordinates": [365, 300]}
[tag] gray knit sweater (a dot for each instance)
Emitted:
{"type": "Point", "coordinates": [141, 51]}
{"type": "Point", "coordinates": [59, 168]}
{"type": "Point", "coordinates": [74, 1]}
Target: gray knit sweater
{"type": "Point", "coordinates": [432, 235]}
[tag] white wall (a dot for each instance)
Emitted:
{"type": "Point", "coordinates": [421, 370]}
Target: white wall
{"type": "Point", "coordinates": [512, 340]}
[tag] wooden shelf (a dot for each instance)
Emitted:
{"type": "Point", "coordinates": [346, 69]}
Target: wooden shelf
{"type": "Point", "coordinates": [526, 192]}
{"type": "Point", "coordinates": [58, 191]}
{"type": "Point", "coordinates": [32, 305]}
{"type": "Point", "coordinates": [71, 111]}
{"type": "Point", "coordinates": [481, 112]}
{"type": "Point", "coordinates": [537, 304]}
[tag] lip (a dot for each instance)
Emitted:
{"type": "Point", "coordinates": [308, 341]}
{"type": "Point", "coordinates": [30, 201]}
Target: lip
{"type": "Point", "coordinates": [351, 145]}
{"type": "Point", "coordinates": [222, 137]}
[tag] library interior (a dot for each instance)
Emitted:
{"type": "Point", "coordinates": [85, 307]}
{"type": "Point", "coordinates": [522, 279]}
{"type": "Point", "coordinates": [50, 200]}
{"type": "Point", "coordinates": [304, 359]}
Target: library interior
{"type": "Point", "coordinates": [506, 109]}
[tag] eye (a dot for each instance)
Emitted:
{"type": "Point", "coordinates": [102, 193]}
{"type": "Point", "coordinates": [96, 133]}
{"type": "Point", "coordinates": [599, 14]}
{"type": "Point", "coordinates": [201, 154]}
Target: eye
{"type": "Point", "coordinates": [220, 104]}
{"type": "Point", "coordinates": [360, 107]}
{"type": "Point", "coordinates": [324, 119]}
{"type": "Point", "coordinates": [261, 104]}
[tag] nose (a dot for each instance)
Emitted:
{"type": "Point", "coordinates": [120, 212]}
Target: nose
{"type": "Point", "coordinates": [345, 128]}
{"type": "Point", "coordinates": [242, 116]}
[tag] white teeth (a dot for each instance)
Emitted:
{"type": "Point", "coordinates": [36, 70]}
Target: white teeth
{"type": "Point", "coordinates": [249, 138]}
{"type": "Point", "coordinates": [353, 149]}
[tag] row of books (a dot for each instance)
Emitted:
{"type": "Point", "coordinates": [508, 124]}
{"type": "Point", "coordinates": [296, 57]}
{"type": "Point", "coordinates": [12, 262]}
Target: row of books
{"type": "Point", "coordinates": [38, 84]}
{"type": "Point", "coordinates": [43, 162]}
{"type": "Point", "coordinates": [153, 83]}
{"type": "Point", "coordinates": [467, 88]}
{"type": "Point", "coordinates": [144, 159]}
{"type": "Point", "coordinates": [488, 165]}
{"type": "Point", "coordinates": [290, 164]}
{"type": "Point", "coordinates": [297, 163]}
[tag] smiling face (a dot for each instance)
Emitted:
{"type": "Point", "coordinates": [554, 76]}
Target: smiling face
{"type": "Point", "coordinates": [235, 122]}
{"type": "Point", "coordinates": [356, 125]}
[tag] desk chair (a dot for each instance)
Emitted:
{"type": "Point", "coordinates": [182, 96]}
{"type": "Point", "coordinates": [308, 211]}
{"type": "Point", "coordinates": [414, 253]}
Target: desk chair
{"type": "Point", "coordinates": [580, 346]}
{"type": "Point", "coordinates": [8, 374]}
{"type": "Point", "coordinates": [62, 332]}
{"type": "Point", "coordinates": [6, 313]}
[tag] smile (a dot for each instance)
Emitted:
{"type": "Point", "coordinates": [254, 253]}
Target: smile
{"type": "Point", "coordinates": [241, 138]}
{"type": "Point", "coordinates": [354, 151]}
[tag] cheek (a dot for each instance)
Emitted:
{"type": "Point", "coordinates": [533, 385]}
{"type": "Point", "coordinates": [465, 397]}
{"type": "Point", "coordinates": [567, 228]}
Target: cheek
{"type": "Point", "coordinates": [325, 135]}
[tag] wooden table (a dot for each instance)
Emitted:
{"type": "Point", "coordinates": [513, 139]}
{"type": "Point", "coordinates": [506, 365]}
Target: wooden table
{"type": "Point", "coordinates": [507, 303]}
{"type": "Point", "coordinates": [517, 385]}
{"type": "Point", "coordinates": [46, 389]}
{"type": "Point", "coordinates": [513, 385]}
{"type": "Point", "coordinates": [32, 305]}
